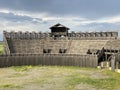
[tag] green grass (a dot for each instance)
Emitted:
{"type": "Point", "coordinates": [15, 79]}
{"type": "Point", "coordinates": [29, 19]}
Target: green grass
{"type": "Point", "coordinates": [107, 83]}
{"type": "Point", "coordinates": [8, 86]}
{"type": "Point", "coordinates": [58, 78]}
{"type": "Point", "coordinates": [22, 68]}
{"type": "Point", "coordinates": [1, 48]}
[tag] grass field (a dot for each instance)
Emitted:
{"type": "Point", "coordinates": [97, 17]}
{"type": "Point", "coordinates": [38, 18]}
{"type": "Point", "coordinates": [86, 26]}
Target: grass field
{"type": "Point", "coordinates": [57, 78]}
{"type": "Point", "coordinates": [1, 48]}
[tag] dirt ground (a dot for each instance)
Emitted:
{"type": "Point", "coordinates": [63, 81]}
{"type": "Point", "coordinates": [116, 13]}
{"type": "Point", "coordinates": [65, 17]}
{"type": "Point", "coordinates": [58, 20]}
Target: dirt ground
{"type": "Point", "coordinates": [50, 78]}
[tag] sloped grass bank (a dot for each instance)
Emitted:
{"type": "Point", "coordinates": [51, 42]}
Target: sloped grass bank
{"type": "Point", "coordinates": [1, 48]}
{"type": "Point", "coordinates": [57, 78]}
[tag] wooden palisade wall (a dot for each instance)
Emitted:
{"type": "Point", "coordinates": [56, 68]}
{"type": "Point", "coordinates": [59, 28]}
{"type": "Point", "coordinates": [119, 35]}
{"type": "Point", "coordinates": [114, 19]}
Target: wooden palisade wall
{"type": "Point", "coordinates": [49, 59]}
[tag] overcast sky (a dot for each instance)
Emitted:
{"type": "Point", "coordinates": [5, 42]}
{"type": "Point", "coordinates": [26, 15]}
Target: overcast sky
{"type": "Point", "coordinates": [78, 15]}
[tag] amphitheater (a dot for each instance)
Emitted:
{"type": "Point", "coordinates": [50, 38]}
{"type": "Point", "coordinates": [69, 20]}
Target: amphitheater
{"type": "Point", "coordinates": [59, 47]}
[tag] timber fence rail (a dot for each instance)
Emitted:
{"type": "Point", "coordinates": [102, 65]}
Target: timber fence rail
{"type": "Point", "coordinates": [49, 59]}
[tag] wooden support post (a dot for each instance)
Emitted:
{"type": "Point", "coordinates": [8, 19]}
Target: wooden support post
{"type": "Point", "coordinates": [117, 64]}
{"type": "Point", "coordinates": [113, 63]}
{"type": "Point", "coordinates": [105, 57]}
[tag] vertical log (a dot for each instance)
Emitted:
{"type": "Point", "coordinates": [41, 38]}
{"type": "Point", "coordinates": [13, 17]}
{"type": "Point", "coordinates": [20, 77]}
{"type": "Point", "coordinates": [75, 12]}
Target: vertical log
{"type": "Point", "coordinates": [113, 63]}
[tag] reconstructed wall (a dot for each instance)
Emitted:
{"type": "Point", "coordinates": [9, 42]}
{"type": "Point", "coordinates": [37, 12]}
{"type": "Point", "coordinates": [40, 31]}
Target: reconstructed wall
{"type": "Point", "coordinates": [49, 59]}
{"type": "Point", "coordinates": [117, 61]}
{"type": "Point", "coordinates": [37, 46]}
{"type": "Point", "coordinates": [71, 46]}
{"type": "Point", "coordinates": [42, 48]}
{"type": "Point", "coordinates": [74, 43]}
{"type": "Point", "coordinates": [34, 35]}
{"type": "Point", "coordinates": [113, 44]}
{"type": "Point", "coordinates": [6, 46]}
{"type": "Point", "coordinates": [82, 46]}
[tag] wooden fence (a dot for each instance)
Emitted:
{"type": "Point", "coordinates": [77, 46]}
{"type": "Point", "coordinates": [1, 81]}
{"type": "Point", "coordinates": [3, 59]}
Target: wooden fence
{"type": "Point", "coordinates": [49, 59]}
{"type": "Point", "coordinates": [117, 57]}
{"type": "Point", "coordinates": [117, 60]}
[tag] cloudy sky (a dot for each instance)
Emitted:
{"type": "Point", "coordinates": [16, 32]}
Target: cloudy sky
{"type": "Point", "coordinates": [78, 15]}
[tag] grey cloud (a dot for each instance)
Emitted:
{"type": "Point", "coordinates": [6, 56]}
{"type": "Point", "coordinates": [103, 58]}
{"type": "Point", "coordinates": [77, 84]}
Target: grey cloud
{"type": "Point", "coordinates": [85, 8]}
{"type": "Point", "coordinates": [14, 18]}
{"type": "Point", "coordinates": [100, 27]}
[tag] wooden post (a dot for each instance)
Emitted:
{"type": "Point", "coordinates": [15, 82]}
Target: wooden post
{"type": "Point", "coordinates": [105, 57]}
{"type": "Point", "coordinates": [113, 63]}
{"type": "Point", "coordinates": [117, 65]}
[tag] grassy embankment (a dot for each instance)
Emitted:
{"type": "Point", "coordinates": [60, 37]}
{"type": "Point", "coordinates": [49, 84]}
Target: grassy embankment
{"type": "Point", "coordinates": [1, 48]}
